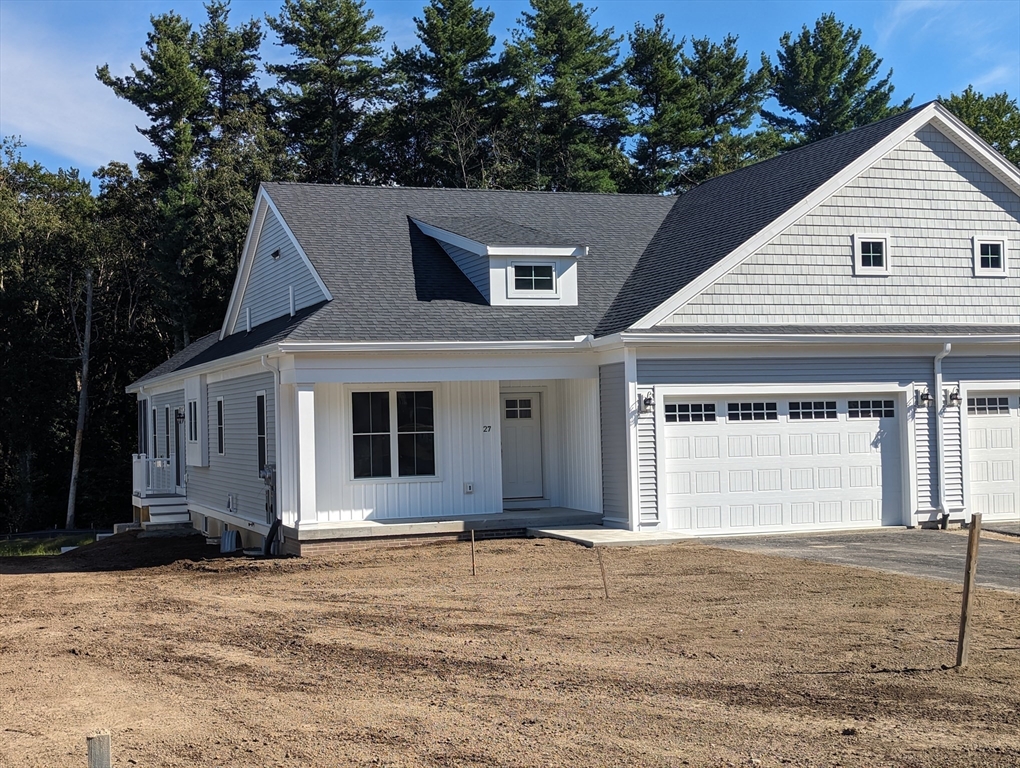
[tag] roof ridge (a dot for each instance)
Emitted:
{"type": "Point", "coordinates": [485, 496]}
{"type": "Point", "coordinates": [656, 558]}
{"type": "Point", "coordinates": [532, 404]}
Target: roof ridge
{"type": "Point", "coordinates": [636, 195]}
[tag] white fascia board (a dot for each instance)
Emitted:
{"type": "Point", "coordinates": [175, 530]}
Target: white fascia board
{"type": "Point", "coordinates": [299, 249]}
{"type": "Point", "coordinates": [431, 346]}
{"type": "Point", "coordinates": [805, 206]}
{"type": "Point", "coordinates": [481, 249]}
{"type": "Point", "coordinates": [247, 257]}
{"type": "Point", "coordinates": [271, 351]}
{"type": "Point", "coordinates": [818, 339]}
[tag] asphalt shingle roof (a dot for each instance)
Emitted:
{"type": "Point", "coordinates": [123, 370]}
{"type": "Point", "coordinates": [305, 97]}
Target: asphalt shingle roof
{"type": "Point", "coordinates": [494, 231]}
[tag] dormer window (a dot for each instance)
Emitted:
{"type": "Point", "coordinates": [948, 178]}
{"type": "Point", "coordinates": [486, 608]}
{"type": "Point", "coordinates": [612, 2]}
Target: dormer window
{"type": "Point", "coordinates": [534, 277]}
{"type": "Point", "coordinates": [989, 257]}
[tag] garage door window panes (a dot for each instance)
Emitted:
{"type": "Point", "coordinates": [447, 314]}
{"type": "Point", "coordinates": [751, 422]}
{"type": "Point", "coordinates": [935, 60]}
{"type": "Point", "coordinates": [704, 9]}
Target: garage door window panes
{"type": "Point", "coordinates": [752, 412]}
{"type": "Point", "coordinates": [812, 409]}
{"type": "Point", "coordinates": [687, 412]}
{"type": "Point", "coordinates": [988, 406]}
{"type": "Point", "coordinates": [871, 409]}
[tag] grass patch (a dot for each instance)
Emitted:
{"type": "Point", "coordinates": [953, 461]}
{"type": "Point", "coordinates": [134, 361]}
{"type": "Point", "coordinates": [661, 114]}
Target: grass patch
{"type": "Point", "coordinates": [49, 546]}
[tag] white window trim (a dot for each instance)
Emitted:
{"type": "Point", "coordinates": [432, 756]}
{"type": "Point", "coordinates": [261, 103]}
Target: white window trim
{"type": "Point", "coordinates": [394, 477]}
{"type": "Point", "coordinates": [866, 237]}
{"type": "Point", "coordinates": [221, 427]}
{"type": "Point", "coordinates": [976, 243]}
{"type": "Point", "coordinates": [511, 289]}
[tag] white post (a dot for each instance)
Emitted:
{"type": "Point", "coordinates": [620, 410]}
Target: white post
{"type": "Point", "coordinates": [306, 453]}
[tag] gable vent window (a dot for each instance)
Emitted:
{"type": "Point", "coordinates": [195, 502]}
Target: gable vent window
{"type": "Point", "coordinates": [871, 255]}
{"type": "Point", "coordinates": [986, 406]}
{"type": "Point", "coordinates": [989, 257]}
{"type": "Point", "coordinates": [687, 412]}
{"type": "Point", "coordinates": [870, 409]}
{"type": "Point", "coordinates": [534, 277]}
{"type": "Point", "coordinates": [275, 254]}
{"type": "Point", "coordinates": [752, 412]}
{"type": "Point", "coordinates": [814, 409]}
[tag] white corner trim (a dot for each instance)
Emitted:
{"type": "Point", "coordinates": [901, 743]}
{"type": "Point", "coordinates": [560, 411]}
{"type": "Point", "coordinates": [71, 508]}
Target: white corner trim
{"type": "Point", "coordinates": [934, 113]}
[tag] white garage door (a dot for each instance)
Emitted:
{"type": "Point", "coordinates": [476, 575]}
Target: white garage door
{"type": "Point", "coordinates": [743, 465]}
{"type": "Point", "coordinates": [993, 446]}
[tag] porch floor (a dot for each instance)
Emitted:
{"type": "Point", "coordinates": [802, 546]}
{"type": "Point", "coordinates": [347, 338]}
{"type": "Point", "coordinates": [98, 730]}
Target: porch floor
{"type": "Point", "coordinates": [597, 536]}
{"type": "Point", "coordinates": [420, 526]}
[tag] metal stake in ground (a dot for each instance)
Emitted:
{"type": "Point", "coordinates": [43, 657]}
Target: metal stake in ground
{"type": "Point", "coordinates": [472, 551]}
{"type": "Point", "coordinates": [602, 567]}
{"type": "Point", "coordinates": [99, 750]}
{"type": "Point", "coordinates": [963, 645]}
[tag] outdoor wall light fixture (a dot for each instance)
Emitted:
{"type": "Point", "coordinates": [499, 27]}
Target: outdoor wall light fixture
{"type": "Point", "coordinates": [648, 403]}
{"type": "Point", "coordinates": [953, 398]}
{"type": "Point", "coordinates": [924, 398]}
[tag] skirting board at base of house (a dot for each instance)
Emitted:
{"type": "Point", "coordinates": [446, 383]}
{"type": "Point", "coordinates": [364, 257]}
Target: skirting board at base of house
{"type": "Point", "coordinates": [324, 547]}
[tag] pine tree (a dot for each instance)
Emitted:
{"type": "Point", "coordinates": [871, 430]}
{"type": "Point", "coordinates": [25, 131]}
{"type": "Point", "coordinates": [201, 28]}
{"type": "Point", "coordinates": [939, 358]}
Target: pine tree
{"type": "Point", "coordinates": [825, 82]}
{"type": "Point", "coordinates": [994, 118]}
{"type": "Point", "coordinates": [666, 116]}
{"type": "Point", "coordinates": [728, 98]}
{"type": "Point", "coordinates": [332, 85]}
{"type": "Point", "coordinates": [569, 93]}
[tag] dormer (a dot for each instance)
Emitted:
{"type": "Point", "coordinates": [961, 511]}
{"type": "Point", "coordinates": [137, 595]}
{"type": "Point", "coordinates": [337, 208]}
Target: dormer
{"type": "Point", "coordinates": [511, 265]}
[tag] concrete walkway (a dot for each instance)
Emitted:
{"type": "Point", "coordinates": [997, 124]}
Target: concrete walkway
{"type": "Point", "coordinates": [1007, 529]}
{"type": "Point", "coordinates": [597, 536]}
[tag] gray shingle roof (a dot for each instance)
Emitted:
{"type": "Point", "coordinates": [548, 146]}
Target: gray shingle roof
{"type": "Point", "coordinates": [495, 231]}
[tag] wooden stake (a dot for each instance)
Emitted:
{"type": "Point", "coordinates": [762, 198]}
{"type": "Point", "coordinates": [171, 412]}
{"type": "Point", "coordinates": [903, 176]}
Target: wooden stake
{"type": "Point", "coordinates": [963, 646]}
{"type": "Point", "coordinates": [602, 567]}
{"type": "Point", "coordinates": [472, 551]}
{"type": "Point", "coordinates": [99, 750]}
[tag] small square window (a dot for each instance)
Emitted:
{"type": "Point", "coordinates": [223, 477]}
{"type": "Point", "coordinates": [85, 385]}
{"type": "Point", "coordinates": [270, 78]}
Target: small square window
{"type": "Point", "coordinates": [871, 409]}
{"type": "Point", "coordinates": [687, 412]}
{"type": "Point", "coordinates": [752, 412]}
{"type": "Point", "coordinates": [988, 406]}
{"type": "Point", "coordinates": [812, 409]}
{"type": "Point", "coordinates": [534, 277]}
{"type": "Point", "coordinates": [871, 255]}
{"type": "Point", "coordinates": [989, 257]}
{"type": "Point", "coordinates": [518, 409]}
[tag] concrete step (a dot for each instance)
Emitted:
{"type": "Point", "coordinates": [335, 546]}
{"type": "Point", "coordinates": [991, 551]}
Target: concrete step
{"type": "Point", "coordinates": [164, 525]}
{"type": "Point", "coordinates": [173, 517]}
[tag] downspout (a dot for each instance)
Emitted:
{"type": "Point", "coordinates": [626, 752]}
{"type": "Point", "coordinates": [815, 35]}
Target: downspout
{"type": "Point", "coordinates": [276, 436]}
{"type": "Point", "coordinates": [940, 408]}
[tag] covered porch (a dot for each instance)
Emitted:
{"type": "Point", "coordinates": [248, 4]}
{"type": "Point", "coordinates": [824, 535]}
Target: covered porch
{"type": "Point", "coordinates": [158, 495]}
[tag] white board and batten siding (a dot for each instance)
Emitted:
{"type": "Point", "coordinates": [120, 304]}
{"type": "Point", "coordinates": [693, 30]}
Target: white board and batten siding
{"type": "Point", "coordinates": [930, 199]}
{"type": "Point", "coordinates": [985, 452]}
{"type": "Point", "coordinates": [572, 471]}
{"type": "Point", "coordinates": [267, 290]}
{"type": "Point", "coordinates": [613, 418]}
{"type": "Point", "coordinates": [236, 471]}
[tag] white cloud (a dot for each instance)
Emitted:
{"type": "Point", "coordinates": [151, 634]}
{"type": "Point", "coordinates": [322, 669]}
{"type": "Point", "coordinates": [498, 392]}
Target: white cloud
{"type": "Point", "coordinates": [50, 97]}
{"type": "Point", "coordinates": [913, 17]}
{"type": "Point", "coordinates": [1001, 76]}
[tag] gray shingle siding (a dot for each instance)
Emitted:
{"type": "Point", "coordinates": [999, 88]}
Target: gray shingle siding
{"type": "Point", "coordinates": [267, 292]}
{"type": "Point", "coordinates": [236, 471]}
{"type": "Point", "coordinates": [931, 199]}
{"type": "Point", "coordinates": [612, 402]}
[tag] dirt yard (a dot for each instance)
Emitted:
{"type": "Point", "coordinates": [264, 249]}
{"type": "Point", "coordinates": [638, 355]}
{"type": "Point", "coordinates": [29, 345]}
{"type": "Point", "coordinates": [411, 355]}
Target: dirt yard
{"type": "Point", "coordinates": [701, 656]}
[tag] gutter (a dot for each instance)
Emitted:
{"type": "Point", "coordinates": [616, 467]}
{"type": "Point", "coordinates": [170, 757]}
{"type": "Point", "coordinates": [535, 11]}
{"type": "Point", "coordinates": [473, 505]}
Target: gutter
{"type": "Point", "coordinates": [940, 409]}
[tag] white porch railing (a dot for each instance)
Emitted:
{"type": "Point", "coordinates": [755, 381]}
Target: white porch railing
{"type": "Point", "coordinates": [152, 477]}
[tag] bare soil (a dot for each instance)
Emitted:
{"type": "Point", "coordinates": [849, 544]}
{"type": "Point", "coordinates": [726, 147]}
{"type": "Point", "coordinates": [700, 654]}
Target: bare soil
{"type": "Point", "coordinates": [701, 656]}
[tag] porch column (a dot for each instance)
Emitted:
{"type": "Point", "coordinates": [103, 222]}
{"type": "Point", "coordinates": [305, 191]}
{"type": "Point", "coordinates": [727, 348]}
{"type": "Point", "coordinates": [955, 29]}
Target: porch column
{"type": "Point", "coordinates": [305, 424]}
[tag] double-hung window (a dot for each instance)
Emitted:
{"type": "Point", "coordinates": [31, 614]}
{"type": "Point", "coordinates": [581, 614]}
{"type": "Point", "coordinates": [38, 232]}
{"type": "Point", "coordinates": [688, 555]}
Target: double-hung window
{"type": "Point", "coordinates": [388, 423]}
{"type": "Point", "coordinates": [260, 429]}
{"type": "Point", "coordinates": [220, 447]}
{"type": "Point", "coordinates": [193, 421]}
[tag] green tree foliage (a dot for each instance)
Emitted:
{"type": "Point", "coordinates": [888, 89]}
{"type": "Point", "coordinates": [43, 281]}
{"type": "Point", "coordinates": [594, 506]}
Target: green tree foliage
{"type": "Point", "coordinates": [825, 82]}
{"type": "Point", "coordinates": [994, 118]}
{"type": "Point", "coordinates": [569, 97]}
{"type": "Point", "coordinates": [666, 117]}
{"type": "Point", "coordinates": [329, 90]}
{"type": "Point", "coordinates": [435, 133]}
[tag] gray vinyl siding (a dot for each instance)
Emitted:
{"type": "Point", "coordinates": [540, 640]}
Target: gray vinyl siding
{"type": "Point", "coordinates": [474, 266]}
{"type": "Point", "coordinates": [175, 400]}
{"type": "Point", "coordinates": [931, 199]}
{"type": "Point", "coordinates": [647, 469]}
{"type": "Point", "coordinates": [236, 471]}
{"type": "Point", "coordinates": [782, 370]}
{"type": "Point", "coordinates": [612, 402]}
{"type": "Point", "coordinates": [1005, 368]}
{"type": "Point", "coordinates": [266, 292]}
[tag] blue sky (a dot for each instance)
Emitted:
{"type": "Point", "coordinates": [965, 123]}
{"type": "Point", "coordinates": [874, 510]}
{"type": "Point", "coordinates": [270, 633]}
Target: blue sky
{"type": "Point", "coordinates": [49, 51]}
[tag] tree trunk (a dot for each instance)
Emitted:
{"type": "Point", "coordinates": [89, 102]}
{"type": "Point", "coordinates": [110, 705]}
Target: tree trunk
{"type": "Point", "coordinates": [83, 393]}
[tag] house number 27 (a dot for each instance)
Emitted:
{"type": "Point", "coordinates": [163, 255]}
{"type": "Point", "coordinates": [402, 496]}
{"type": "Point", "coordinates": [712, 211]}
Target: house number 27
{"type": "Point", "coordinates": [487, 428]}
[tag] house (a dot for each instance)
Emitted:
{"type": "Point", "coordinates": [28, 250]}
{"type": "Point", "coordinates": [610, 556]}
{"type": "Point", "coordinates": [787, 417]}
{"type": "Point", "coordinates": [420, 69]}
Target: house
{"type": "Point", "coordinates": [826, 340]}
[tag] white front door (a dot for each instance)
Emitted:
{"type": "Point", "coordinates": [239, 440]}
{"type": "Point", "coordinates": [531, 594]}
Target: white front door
{"type": "Point", "coordinates": [521, 425]}
{"type": "Point", "coordinates": [993, 437]}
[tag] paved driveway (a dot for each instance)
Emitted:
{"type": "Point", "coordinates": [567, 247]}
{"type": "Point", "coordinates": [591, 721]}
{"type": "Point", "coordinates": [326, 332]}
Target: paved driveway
{"type": "Point", "coordinates": [916, 552]}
